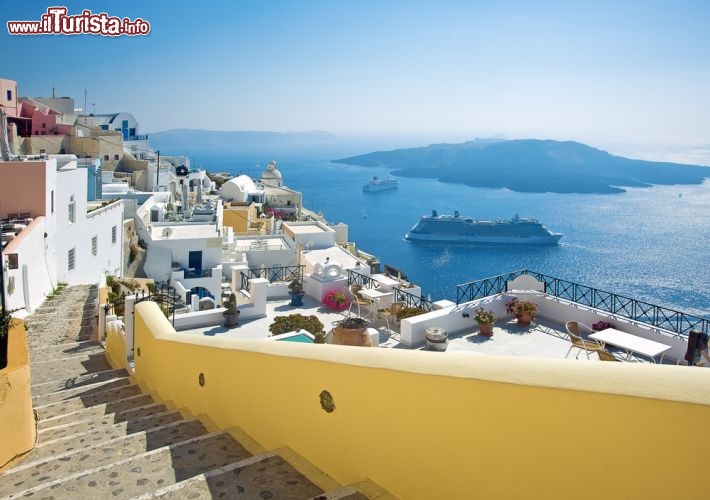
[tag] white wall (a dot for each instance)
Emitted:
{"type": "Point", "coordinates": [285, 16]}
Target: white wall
{"type": "Point", "coordinates": [34, 263]}
{"type": "Point", "coordinates": [78, 235]}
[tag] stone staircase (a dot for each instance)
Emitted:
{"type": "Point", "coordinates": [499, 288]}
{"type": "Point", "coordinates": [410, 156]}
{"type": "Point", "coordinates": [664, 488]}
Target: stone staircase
{"type": "Point", "coordinates": [100, 437]}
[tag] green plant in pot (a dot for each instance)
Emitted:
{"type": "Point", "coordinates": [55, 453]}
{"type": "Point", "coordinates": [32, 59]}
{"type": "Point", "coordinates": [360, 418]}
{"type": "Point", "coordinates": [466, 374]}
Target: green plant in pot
{"type": "Point", "coordinates": [296, 292]}
{"type": "Point", "coordinates": [485, 320]}
{"type": "Point", "coordinates": [231, 315]}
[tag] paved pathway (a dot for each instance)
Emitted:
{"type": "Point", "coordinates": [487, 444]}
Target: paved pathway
{"type": "Point", "coordinates": [69, 316]}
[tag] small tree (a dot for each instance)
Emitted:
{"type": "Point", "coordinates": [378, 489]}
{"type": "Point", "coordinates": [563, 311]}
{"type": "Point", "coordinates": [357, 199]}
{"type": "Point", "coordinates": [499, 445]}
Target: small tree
{"type": "Point", "coordinates": [295, 322]}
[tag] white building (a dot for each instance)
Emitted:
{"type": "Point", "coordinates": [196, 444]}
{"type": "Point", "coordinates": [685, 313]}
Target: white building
{"type": "Point", "coordinates": [49, 236]}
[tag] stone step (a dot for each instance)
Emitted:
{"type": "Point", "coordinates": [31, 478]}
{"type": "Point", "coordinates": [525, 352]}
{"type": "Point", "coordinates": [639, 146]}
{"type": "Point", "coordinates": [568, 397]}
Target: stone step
{"type": "Point", "coordinates": [97, 411]}
{"type": "Point", "coordinates": [76, 382]}
{"type": "Point", "coordinates": [87, 425]}
{"type": "Point", "coordinates": [60, 351]}
{"type": "Point", "coordinates": [40, 471]}
{"type": "Point", "coordinates": [68, 367]}
{"type": "Point", "coordinates": [83, 391]}
{"type": "Point", "coordinates": [98, 397]}
{"type": "Point", "coordinates": [262, 476]}
{"type": "Point", "coordinates": [46, 449]}
{"type": "Point", "coordinates": [154, 469]}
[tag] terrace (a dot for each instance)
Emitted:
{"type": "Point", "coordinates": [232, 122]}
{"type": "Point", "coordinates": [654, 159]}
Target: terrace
{"type": "Point", "coordinates": [546, 337]}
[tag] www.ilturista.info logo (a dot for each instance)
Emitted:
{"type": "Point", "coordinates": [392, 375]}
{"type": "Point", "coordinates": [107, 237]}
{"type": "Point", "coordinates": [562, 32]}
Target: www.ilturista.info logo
{"type": "Point", "coordinates": [57, 22]}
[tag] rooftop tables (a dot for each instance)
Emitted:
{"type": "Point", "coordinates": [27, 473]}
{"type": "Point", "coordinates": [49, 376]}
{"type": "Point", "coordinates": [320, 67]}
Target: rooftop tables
{"type": "Point", "coordinates": [379, 299]}
{"type": "Point", "coordinates": [631, 343]}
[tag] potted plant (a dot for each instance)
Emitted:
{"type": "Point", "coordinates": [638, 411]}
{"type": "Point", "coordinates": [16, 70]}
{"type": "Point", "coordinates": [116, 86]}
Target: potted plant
{"type": "Point", "coordinates": [295, 322]}
{"type": "Point", "coordinates": [523, 310]}
{"type": "Point", "coordinates": [231, 315]}
{"type": "Point", "coordinates": [296, 292]}
{"type": "Point", "coordinates": [336, 300]}
{"type": "Point", "coordinates": [351, 331]}
{"type": "Point", "coordinates": [485, 320]}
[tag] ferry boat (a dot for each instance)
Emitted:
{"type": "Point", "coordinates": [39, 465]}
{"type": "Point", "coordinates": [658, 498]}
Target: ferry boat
{"type": "Point", "coordinates": [458, 229]}
{"type": "Point", "coordinates": [377, 184]}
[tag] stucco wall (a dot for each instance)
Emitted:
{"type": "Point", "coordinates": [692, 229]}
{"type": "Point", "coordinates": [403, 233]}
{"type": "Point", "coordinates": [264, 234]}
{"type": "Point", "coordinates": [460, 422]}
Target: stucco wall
{"type": "Point", "coordinates": [18, 431]}
{"type": "Point", "coordinates": [35, 263]}
{"type": "Point", "coordinates": [431, 425]}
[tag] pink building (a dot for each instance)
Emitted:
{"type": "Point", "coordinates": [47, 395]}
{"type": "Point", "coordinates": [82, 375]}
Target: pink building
{"type": "Point", "coordinates": [8, 97]}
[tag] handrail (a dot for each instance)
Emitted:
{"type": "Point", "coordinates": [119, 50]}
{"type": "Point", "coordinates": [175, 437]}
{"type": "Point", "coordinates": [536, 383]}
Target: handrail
{"type": "Point", "coordinates": [273, 274]}
{"type": "Point", "coordinates": [619, 305]}
{"type": "Point", "coordinates": [400, 295]}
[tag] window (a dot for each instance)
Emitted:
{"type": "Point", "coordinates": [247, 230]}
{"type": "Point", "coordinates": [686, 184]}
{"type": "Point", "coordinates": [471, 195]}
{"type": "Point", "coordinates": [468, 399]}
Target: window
{"type": "Point", "coordinates": [9, 95]}
{"type": "Point", "coordinates": [44, 125]}
{"type": "Point", "coordinates": [113, 235]}
{"type": "Point", "coordinates": [72, 210]}
{"type": "Point", "coordinates": [115, 157]}
{"type": "Point", "coordinates": [70, 260]}
{"type": "Point", "coordinates": [51, 201]}
{"type": "Point", "coordinates": [94, 241]}
{"type": "Point", "coordinates": [105, 157]}
{"type": "Point", "coordinates": [104, 127]}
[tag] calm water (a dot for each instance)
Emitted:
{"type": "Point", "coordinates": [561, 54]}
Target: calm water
{"type": "Point", "coordinates": [651, 244]}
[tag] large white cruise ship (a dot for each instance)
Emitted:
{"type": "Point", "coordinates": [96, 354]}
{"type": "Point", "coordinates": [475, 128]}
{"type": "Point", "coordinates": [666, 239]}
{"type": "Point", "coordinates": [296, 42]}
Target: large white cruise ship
{"type": "Point", "coordinates": [457, 229]}
{"type": "Point", "coordinates": [378, 184]}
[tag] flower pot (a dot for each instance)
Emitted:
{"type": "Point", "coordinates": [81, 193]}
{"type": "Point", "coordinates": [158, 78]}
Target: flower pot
{"type": "Point", "coordinates": [230, 320]}
{"type": "Point", "coordinates": [486, 329]}
{"type": "Point", "coordinates": [296, 298]}
{"type": "Point", "coordinates": [525, 318]}
{"type": "Point", "coordinates": [344, 334]}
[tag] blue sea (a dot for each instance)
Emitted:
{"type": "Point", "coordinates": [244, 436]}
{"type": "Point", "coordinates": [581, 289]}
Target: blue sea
{"type": "Point", "coordinates": [651, 244]}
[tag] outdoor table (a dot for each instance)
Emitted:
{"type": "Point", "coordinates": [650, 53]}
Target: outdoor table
{"type": "Point", "coordinates": [379, 299]}
{"type": "Point", "coordinates": [631, 343]}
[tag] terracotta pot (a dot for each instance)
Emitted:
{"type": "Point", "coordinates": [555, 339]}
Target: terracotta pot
{"type": "Point", "coordinates": [525, 318]}
{"type": "Point", "coordinates": [351, 336]}
{"type": "Point", "coordinates": [486, 329]}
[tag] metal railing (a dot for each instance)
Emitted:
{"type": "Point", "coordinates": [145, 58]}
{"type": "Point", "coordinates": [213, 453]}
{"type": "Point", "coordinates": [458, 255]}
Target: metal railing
{"type": "Point", "coordinates": [355, 278]}
{"type": "Point", "coordinates": [400, 295]}
{"type": "Point", "coordinates": [273, 274]}
{"type": "Point", "coordinates": [411, 300]}
{"type": "Point", "coordinates": [618, 305]}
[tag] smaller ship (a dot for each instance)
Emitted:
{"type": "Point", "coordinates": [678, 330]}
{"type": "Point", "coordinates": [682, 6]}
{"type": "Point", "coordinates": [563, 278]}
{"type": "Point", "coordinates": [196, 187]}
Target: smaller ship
{"type": "Point", "coordinates": [457, 229]}
{"type": "Point", "coordinates": [377, 184]}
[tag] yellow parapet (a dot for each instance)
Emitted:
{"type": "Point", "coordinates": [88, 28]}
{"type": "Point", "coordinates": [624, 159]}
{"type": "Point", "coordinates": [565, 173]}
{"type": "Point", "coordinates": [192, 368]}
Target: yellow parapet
{"type": "Point", "coordinates": [443, 425]}
{"type": "Point", "coordinates": [17, 423]}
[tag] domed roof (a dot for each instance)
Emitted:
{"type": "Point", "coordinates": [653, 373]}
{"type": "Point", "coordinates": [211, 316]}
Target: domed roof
{"type": "Point", "coordinates": [271, 171]}
{"type": "Point", "coordinates": [236, 189]}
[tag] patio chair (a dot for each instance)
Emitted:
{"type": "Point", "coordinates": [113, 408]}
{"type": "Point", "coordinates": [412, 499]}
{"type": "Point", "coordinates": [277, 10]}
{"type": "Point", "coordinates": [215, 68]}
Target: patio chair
{"type": "Point", "coordinates": [605, 355]}
{"type": "Point", "coordinates": [357, 300]}
{"type": "Point", "coordinates": [390, 312]}
{"type": "Point", "coordinates": [577, 341]}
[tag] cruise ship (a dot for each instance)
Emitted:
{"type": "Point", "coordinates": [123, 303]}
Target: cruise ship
{"type": "Point", "coordinates": [457, 229]}
{"type": "Point", "coordinates": [377, 184]}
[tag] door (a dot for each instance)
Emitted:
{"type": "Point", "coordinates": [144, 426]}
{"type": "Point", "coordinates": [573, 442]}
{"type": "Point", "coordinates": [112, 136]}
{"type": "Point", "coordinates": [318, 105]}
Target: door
{"type": "Point", "coordinates": [195, 261]}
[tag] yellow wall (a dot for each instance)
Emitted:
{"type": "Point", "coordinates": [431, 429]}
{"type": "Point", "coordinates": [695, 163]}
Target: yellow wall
{"type": "Point", "coordinates": [17, 423]}
{"type": "Point", "coordinates": [431, 425]}
{"type": "Point", "coordinates": [238, 217]}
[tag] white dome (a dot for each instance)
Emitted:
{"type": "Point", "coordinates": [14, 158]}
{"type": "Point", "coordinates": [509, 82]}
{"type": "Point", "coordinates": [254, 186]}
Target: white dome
{"type": "Point", "coordinates": [237, 189]}
{"type": "Point", "coordinates": [271, 172]}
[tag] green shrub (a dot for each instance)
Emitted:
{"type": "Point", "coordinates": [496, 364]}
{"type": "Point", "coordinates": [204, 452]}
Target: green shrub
{"type": "Point", "coordinates": [295, 322]}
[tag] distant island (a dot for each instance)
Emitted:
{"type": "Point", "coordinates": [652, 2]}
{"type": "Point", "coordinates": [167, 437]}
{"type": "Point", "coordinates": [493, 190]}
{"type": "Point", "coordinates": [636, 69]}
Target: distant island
{"type": "Point", "coordinates": [530, 165]}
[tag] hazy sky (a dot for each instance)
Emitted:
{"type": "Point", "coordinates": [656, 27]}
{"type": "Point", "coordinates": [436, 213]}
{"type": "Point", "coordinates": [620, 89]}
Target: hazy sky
{"type": "Point", "coordinates": [593, 71]}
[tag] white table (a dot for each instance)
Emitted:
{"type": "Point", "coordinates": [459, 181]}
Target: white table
{"type": "Point", "coordinates": [379, 299]}
{"type": "Point", "coordinates": [631, 343]}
